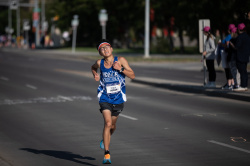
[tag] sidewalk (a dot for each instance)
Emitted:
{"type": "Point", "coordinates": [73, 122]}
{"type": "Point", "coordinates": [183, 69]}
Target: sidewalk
{"type": "Point", "coordinates": [189, 87]}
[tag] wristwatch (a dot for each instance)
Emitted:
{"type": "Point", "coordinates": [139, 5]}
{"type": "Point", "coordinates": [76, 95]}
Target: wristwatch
{"type": "Point", "coordinates": [122, 69]}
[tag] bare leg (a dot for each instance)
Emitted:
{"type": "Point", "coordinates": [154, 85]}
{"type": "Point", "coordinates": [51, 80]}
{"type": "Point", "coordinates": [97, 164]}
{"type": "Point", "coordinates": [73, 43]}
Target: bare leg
{"type": "Point", "coordinates": [114, 119]}
{"type": "Point", "coordinates": [230, 82]}
{"type": "Point", "coordinates": [107, 128]}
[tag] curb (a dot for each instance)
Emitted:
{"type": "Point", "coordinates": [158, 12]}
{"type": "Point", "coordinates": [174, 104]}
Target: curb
{"type": "Point", "coordinates": [194, 88]}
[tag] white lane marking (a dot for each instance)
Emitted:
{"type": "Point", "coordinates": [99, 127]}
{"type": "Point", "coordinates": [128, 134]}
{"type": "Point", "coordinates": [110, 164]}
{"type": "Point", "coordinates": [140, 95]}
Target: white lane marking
{"type": "Point", "coordinates": [75, 72]}
{"type": "Point", "coordinates": [128, 117]}
{"type": "Point", "coordinates": [205, 114]}
{"type": "Point", "coordinates": [44, 100]}
{"type": "Point", "coordinates": [4, 78]}
{"type": "Point", "coordinates": [65, 98]}
{"type": "Point", "coordinates": [31, 86]}
{"type": "Point", "coordinates": [229, 146]}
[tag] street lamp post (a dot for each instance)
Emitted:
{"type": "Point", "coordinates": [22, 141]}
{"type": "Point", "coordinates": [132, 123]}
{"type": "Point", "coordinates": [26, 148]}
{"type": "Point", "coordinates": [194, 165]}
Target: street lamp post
{"type": "Point", "coordinates": [103, 18]}
{"type": "Point", "coordinates": [74, 24]}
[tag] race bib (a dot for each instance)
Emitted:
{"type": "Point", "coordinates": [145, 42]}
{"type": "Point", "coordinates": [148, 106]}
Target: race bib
{"type": "Point", "coordinates": [113, 88]}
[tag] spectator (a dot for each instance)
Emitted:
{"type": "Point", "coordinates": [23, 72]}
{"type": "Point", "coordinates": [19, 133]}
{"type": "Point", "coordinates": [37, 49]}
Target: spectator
{"type": "Point", "coordinates": [208, 53]}
{"type": "Point", "coordinates": [217, 37]}
{"type": "Point", "coordinates": [225, 59]}
{"type": "Point", "coordinates": [246, 21]}
{"type": "Point", "coordinates": [242, 58]}
{"type": "Point", "coordinates": [232, 58]}
{"type": "Point", "coordinates": [1, 40]}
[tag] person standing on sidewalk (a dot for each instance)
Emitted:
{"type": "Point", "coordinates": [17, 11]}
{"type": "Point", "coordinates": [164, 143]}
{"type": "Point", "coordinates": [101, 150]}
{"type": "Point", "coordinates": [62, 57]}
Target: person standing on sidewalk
{"type": "Point", "coordinates": [209, 54]}
{"type": "Point", "coordinates": [226, 59]}
{"type": "Point", "coordinates": [111, 91]}
{"type": "Point", "coordinates": [232, 53]}
{"type": "Point", "coordinates": [243, 52]}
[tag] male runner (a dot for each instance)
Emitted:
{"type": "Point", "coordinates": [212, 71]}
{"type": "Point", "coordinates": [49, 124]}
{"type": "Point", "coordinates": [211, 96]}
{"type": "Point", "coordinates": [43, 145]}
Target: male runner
{"type": "Point", "coordinates": [111, 91]}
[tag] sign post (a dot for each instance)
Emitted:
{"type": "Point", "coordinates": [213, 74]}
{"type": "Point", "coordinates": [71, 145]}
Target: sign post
{"type": "Point", "coordinates": [103, 18]}
{"type": "Point", "coordinates": [202, 24]}
{"type": "Point", "coordinates": [26, 28]}
{"type": "Point", "coordinates": [74, 24]}
{"type": "Point", "coordinates": [13, 4]}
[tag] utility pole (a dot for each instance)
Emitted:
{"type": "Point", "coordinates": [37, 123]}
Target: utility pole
{"type": "Point", "coordinates": [9, 19]}
{"type": "Point", "coordinates": [36, 11]}
{"type": "Point", "coordinates": [43, 18]}
{"type": "Point", "coordinates": [146, 40]}
{"type": "Point", "coordinates": [18, 19]}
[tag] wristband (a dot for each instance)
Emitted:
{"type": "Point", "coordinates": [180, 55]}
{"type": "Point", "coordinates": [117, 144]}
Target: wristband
{"type": "Point", "coordinates": [122, 69]}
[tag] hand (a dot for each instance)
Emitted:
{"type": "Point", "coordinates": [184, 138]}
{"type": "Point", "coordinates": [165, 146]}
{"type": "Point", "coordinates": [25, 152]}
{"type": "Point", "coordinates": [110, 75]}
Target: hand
{"type": "Point", "coordinates": [231, 44]}
{"type": "Point", "coordinates": [117, 66]}
{"type": "Point", "coordinates": [204, 53]}
{"type": "Point", "coordinates": [97, 77]}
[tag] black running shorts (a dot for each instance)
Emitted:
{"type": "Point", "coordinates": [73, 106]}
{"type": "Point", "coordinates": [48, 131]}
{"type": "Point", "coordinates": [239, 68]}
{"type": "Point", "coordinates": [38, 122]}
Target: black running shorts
{"type": "Point", "coordinates": [115, 109]}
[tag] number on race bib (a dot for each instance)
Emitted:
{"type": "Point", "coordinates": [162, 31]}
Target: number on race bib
{"type": "Point", "coordinates": [113, 88]}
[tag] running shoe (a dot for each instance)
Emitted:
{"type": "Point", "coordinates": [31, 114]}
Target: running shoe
{"type": "Point", "coordinates": [101, 144]}
{"type": "Point", "coordinates": [107, 159]}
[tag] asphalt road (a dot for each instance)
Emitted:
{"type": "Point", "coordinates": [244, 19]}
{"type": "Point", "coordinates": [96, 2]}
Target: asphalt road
{"type": "Point", "coordinates": [49, 117]}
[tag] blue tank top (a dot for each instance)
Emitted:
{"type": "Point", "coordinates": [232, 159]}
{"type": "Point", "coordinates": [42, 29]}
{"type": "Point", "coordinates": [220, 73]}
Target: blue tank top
{"type": "Point", "coordinates": [112, 87]}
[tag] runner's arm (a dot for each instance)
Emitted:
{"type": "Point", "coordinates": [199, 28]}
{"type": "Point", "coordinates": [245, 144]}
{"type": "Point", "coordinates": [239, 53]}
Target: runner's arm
{"type": "Point", "coordinates": [94, 69]}
{"type": "Point", "coordinates": [127, 69]}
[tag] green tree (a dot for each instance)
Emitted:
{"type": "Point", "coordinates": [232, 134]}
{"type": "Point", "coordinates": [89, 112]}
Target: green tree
{"type": "Point", "coordinates": [126, 17]}
{"type": "Point", "coordinates": [3, 16]}
{"type": "Point", "coordinates": [121, 17]}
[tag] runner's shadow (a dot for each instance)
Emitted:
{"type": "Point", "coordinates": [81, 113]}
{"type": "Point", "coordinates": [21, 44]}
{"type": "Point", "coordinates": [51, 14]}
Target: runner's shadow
{"type": "Point", "coordinates": [61, 155]}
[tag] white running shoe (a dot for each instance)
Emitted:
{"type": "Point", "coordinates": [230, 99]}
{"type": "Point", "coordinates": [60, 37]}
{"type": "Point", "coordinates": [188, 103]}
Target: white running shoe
{"type": "Point", "coordinates": [240, 89]}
